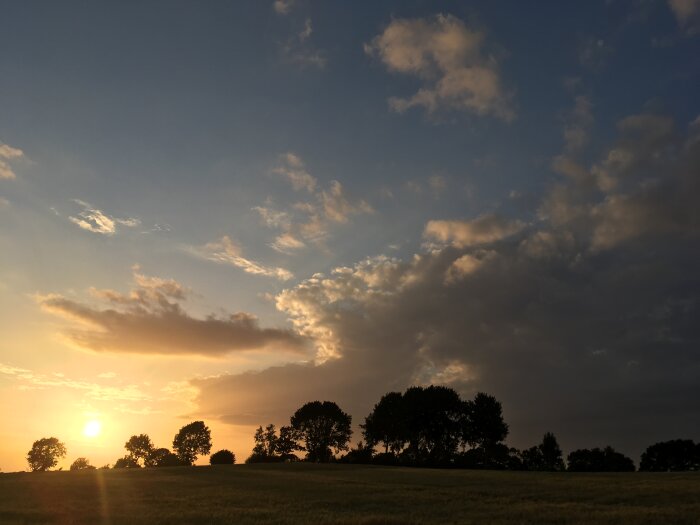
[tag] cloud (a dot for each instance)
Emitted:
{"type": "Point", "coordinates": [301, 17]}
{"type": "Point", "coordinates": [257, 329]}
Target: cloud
{"type": "Point", "coordinates": [292, 168]}
{"type": "Point", "coordinates": [96, 221]}
{"type": "Point", "coordinates": [299, 50]}
{"type": "Point", "coordinates": [7, 154]}
{"type": "Point", "coordinates": [150, 319]}
{"type": "Point", "coordinates": [588, 332]}
{"type": "Point", "coordinates": [308, 221]}
{"type": "Point", "coordinates": [687, 14]}
{"type": "Point", "coordinates": [283, 7]}
{"type": "Point", "coordinates": [450, 60]}
{"type": "Point", "coordinates": [484, 229]}
{"type": "Point", "coordinates": [225, 251]}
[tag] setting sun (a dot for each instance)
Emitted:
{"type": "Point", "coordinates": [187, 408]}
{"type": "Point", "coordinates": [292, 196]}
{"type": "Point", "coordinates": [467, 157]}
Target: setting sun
{"type": "Point", "coordinates": [92, 429]}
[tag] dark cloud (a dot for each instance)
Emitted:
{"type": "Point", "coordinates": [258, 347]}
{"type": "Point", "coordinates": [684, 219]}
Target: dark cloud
{"type": "Point", "coordinates": [584, 324]}
{"type": "Point", "coordinates": [151, 320]}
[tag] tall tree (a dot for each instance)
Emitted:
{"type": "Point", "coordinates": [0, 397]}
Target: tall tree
{"type": "Point", "coordinates": [191, 441]}
{"type": "Point", "coordinates": [45, 453]}
{"type": "Point", "coordinates": [546, 456]}
{"type": "Point", "coordinates": [140, 447]}
{"type": "Point", "coordinates": [324, 428]}
{"type": "Point", "coordinates": [483, 424]}
{"type": "Point", "coordinates": [386, 423]}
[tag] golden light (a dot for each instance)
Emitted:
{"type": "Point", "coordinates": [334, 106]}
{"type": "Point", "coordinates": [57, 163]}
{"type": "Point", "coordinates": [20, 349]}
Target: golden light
{"type": "Point", "coordinates": [92, 428]}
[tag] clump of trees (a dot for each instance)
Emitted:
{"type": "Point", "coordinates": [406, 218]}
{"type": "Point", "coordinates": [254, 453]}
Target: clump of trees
{"type": "Point", "coordinates": [671, 456]}
{"type": "Point", "coordinates": [82, 464]}
{"type": "Point", "coordinates": [599, 460]}
{"type": "Point", "coordinates": [546, 456]}
{"type": "Point", "coordinates": [271, 447]}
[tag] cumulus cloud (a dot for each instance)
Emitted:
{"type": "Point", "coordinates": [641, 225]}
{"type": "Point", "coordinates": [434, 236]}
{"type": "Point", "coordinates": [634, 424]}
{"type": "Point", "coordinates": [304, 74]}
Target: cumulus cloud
{"type": "Point", "coordinates": [484, 229]}
{"type": "Point", "coordinates": [308, 221]}
{"type": "Point", "coordinates": [225, 251]}
{"type": "Point", "coordinates": [8, 154]}
{"type": "Point", "coordinates": [450, 60]}
{"type": "Point", "coordinates": [96, 221]}
{"type": "Point", "coordinates": [150, 319]}
{"type": "Point", "coordinates": [687, 13]}
{"type": "Point", "coordinates": [593, 339]}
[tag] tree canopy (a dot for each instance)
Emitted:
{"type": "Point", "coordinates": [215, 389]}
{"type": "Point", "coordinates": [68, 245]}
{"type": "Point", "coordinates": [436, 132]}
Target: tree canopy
{"type": "Point", "coordinates": [139, 447]}
{"type": "Point", "coordinates": [192, 441]}
{"type": "Point", "coordinates": [674, 455]}
{"type": "Point", "coordinates": [81, 464]}
{"type": "Point", "coordinates": [324, 429]}
{"type": "Point", "coordinates": [45, 454]}
{"type": "Point", "coordinates": [222, 457]}
{"type": "Point", "coordinates": [599, 460]}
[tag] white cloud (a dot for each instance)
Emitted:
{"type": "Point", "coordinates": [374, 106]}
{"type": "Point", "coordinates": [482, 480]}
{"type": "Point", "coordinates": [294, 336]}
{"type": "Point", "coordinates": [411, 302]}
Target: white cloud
{"type": "Point", "coordinates": [225, 251]}
{"type": "Point", "coordinates": [93, 220]}
{"type": "Point", "coordinates": [450, 60]}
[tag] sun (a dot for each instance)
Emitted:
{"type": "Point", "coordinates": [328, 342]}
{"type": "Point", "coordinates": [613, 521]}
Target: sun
{"type": "Point", "coordinates": [92, 428]}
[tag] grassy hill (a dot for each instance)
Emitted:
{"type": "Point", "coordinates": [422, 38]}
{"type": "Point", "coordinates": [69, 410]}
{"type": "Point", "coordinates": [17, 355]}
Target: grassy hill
{"type": "Point", "coordinates": [307, 493]}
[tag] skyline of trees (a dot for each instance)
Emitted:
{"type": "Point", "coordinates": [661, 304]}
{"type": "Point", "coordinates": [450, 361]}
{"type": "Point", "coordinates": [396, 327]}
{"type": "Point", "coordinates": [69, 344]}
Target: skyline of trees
{"type": "Point", "coordinates": [424, 426]}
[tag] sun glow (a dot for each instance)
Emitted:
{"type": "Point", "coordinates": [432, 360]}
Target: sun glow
{"type": "Point", "coordinates": [92, 428]}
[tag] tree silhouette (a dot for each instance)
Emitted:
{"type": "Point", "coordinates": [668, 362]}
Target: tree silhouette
{"type": "Point", "coordinates": [81, 464]}
{"type": "Point", "coordinates": [288, 443]}
{"type": "Point", "coordinates": [322, 426]}
{"type": "Point", "coordinates": [675, 455]}
{"type": "Point", "coordinates": [126, 462]}
{"type": "Point", "coordinates": [362, 455]}
{"type": "Point", "coordinates": [162, 457]}
{"type": "Point", "coordinates": [434, 424]}
{"type": "Point", "coordinates": [265, 442]}
{"type": "Point", "coordinates": [546, 456]}
{"type": "Point", "coordinates": [139, 447]}
{"type": "Point", "coordinates": [483, 425]}
{"type": "Point", "coordinates": [386, 423]}
{"type": "Point", "coordinates": [191, 441]}
{"type": "Point", "coordinates": [222, 457]}
{"type": "Point", "coordinates": [599, 460]}
{"type": "Point", "coordinates": [45, 453]}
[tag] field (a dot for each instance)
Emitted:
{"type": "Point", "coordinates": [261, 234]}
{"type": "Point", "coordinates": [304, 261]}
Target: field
{"type": "Point", "coordinates": [307, 493]}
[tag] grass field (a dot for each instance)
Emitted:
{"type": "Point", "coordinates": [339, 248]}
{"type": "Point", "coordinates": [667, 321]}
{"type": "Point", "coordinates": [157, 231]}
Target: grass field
{"type": "Point", "coordinates": [307, 493]}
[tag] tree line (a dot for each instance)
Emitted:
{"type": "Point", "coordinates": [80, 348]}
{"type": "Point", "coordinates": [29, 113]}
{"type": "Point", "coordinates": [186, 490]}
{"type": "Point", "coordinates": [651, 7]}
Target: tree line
{"type": "Point", "coordinates": [423, 426]}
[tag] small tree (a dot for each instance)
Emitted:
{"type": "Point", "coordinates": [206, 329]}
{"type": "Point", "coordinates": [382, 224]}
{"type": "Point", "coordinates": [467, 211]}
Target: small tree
{"type": "Point", "coordinates": [222, 457]}
{"type": "Point", "coordinates": [45, 453]}
{"type": "Point", "coordinates": [140, 447]}
{"type": "Point", "coordinates": [546, 456]}
{"type": "Point", "coordinates": [323, 426]}
{"type": "Point", "coordinates": [287, 443]}
{"type": "Point", "coordinates": [126, 462]}
{"type": "Point", "coordinates": [162, 457]}
{"type": "Point", "coordinates": [191, 441]}
{"type": "Point", "coordinates": [81, 464]}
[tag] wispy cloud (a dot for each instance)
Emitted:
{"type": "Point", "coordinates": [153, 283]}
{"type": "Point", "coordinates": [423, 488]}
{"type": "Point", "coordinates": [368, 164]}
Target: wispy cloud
{"type": "Point", "coordinates": [8, 154]}
{"type": "Point", "coordinates": [308, 221]}
{"type": "Point", "coordinates": [150, 319]}
{"type": "Point", "coordinates": [96, 221]}
{"type": "Point", "coordinates": [283, 7]}
{"type": "Point", "coordinates": [450, 60]}
{"type": "Point", "coordinates": [225, 251]}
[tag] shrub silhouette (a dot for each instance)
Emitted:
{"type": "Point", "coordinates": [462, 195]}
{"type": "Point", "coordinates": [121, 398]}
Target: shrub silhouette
{"type": "Point", "coordinates": [222, 457]}
{"type": "Point", "coordinates": [126, 462]}
{"type": "Point", "coordinates": [162, 457]}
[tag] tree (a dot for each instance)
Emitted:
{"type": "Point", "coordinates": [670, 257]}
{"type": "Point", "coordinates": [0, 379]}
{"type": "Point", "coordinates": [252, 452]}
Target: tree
{"type": "Point", "coordinates": [546, 456]}
{"type": "Point", "coordinates": [322, 426]}
{"type": "Point", "coordinates": [362, 455]}
{"type": "Point", "coordinates": [191, 441]}
{"type": "Point", "coordinates": [45, 453]}
{"type": "Point", "coordinates": [162, 457]}
{"type": "Point", "coordinates": [599, 460]}
{"type": "Point", "coordinates": [386, 423]}
{"type": "Point", "coordinates": [81, 464]}
{"type": "Point", "coordinates": [483, 424]}
{"type": "Point", "coordinates": [287, 443]}
{"type": "Point", "coordinates": [139, 447]}
{"type": "Point", "coordinates": [126, 462]}
{"type": "Point", "coordinates": [222, 457]}
{"type": "Point", "coordinates": [675, 455]}
{"type": "Point", "coordinates": [265, 442]}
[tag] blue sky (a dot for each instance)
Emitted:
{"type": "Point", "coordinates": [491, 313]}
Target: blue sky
{"type": "Point", "coordinates": [238, 149]}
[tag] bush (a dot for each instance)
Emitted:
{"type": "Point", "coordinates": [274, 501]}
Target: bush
{"type": "Point", "coordinates": [126, 462]}
{"type": "Point", "coordinates": [222, 457]}
{"type": "Point", "coordinates": [81, 464]}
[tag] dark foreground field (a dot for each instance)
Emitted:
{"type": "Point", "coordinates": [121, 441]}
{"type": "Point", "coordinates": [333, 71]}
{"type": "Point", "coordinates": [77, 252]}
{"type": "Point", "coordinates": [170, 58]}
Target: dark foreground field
{"type": "Point", "coordinates": [306, 493]}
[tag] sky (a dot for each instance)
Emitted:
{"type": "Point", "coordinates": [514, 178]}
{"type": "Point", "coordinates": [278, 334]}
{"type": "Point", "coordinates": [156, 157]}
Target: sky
{"type": "Point", "coordinates": [222, 211]}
